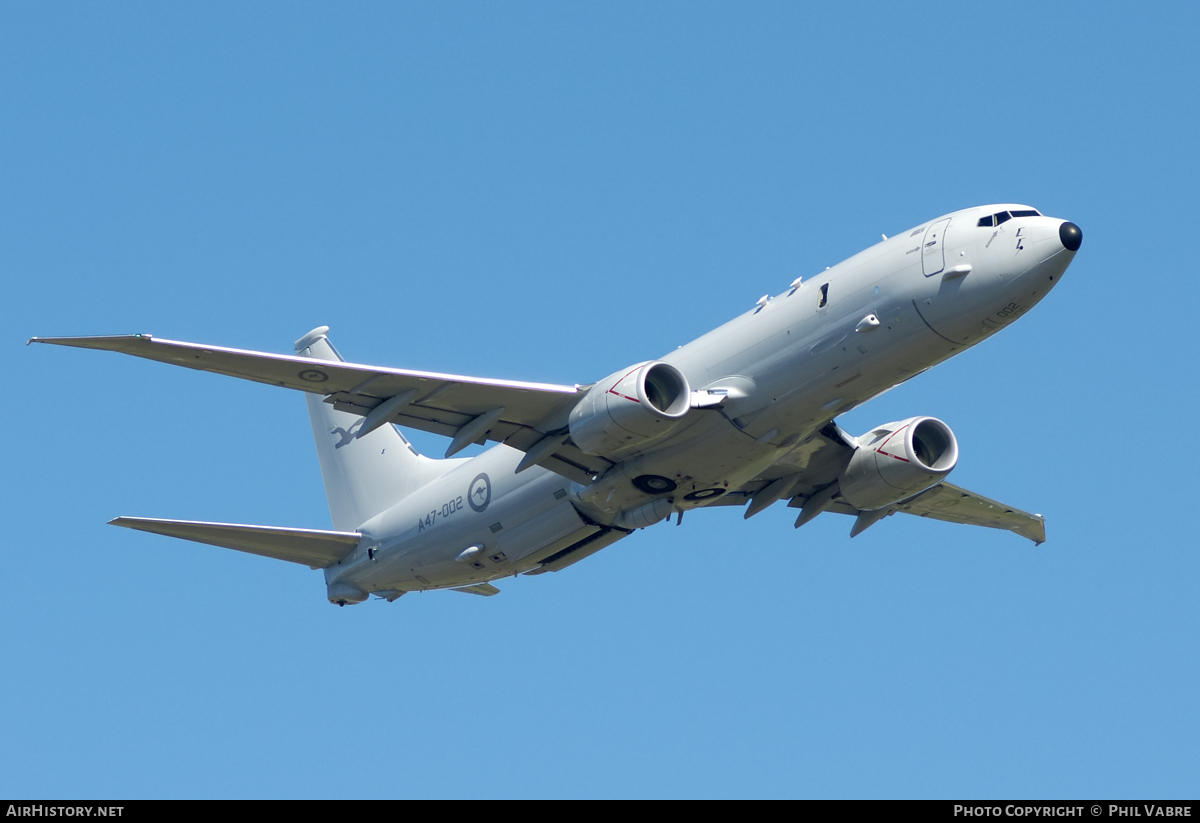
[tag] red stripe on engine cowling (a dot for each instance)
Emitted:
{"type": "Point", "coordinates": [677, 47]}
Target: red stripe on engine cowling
{"type": "Point", "coordinates": [885, 442]}
{"type": "Point", "coordinates": [613, 390]}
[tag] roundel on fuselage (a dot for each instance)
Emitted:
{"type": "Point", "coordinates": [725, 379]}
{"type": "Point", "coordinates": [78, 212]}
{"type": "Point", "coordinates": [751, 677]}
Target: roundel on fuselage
{"type": "Point", "coordinates": [479, 494]}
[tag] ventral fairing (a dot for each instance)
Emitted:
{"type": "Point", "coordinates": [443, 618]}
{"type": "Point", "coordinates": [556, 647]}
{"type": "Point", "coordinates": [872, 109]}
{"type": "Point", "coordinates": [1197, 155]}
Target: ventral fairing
{"type": "Point", "coordinates": [743, 416]}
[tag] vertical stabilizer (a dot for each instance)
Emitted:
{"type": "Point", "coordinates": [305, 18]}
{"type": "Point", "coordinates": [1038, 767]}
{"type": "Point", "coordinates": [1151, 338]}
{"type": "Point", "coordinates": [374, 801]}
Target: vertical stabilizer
{"type": "Point", "coordinates": [363, 475]}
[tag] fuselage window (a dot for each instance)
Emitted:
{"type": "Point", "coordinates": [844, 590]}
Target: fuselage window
{"type": "Point", "coordinates": [824, 296]}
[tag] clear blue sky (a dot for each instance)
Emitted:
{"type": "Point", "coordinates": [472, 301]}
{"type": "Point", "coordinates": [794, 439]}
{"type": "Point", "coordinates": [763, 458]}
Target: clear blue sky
{"type": "Point", "coordinates": [550, 192]}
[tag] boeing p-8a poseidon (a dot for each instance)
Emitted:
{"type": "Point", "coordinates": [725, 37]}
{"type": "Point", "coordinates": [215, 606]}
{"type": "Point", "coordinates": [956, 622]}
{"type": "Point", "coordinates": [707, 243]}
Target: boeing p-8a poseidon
{"type": "Point", "coordinates": [742, 416]}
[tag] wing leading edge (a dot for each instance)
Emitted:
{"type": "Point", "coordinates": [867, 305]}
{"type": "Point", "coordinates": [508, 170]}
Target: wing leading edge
{"type": "Point", "coordinates": [531, 417]}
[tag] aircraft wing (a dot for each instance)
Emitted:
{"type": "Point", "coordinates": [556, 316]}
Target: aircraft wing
{"type": "Point", "coordinates": [310, 547]}
{"type": "Point", "coordinates": [818, 461]}
{"type": "Point", "coordinates": [953, 504]}
{"type": "Point", "coordinates": [956, 505]}
{"type": "Point", "coordinates": [531, 417]}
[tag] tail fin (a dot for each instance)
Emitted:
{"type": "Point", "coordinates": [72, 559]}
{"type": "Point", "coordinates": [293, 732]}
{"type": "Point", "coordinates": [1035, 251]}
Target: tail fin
{"type": "Point", "coordinates": [363, 475]}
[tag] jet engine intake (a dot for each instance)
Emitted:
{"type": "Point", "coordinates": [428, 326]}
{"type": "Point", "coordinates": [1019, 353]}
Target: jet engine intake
{"type": "Point", "coordinates": [629, 408]}
{"type": "Point", "coordinates": [897, 460]}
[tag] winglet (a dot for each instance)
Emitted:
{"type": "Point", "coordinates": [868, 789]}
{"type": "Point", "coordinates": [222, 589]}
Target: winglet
{"type": "Point", "coordinates": [310, 338]}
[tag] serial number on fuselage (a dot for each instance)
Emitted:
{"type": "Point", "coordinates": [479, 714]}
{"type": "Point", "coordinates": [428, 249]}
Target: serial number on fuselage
{"type": "Point", "coordinates": [448, 508]}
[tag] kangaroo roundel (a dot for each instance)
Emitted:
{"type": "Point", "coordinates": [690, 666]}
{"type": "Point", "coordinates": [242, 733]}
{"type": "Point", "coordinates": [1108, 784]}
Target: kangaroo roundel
{"type": "Point", "coordinates": [480, 493]}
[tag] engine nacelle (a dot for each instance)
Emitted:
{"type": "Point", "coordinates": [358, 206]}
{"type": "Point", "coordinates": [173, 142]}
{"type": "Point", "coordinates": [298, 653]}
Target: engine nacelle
{"type": "Point", "coordinates": [897, 460]}
{"type": "Point", "coordinates": [629, 408]}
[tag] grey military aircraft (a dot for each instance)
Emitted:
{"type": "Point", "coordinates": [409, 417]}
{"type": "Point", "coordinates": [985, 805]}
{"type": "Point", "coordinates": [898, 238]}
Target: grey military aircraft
{"type": "Point", "coordinates": [743, 416]}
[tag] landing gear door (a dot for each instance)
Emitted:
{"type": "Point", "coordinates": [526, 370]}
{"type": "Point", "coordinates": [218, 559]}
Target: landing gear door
{"type": "Point", "coordinates": [933, 248]}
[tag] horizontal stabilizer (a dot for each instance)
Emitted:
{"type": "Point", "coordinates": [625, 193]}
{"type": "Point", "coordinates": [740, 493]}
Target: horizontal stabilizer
{"type": "Point", "coordinates": [310, 547]}
{"type": "Point", "coordinates": [484, 589]}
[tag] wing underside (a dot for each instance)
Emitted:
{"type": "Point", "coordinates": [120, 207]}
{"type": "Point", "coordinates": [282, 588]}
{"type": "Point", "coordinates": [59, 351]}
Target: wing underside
{"type": "Point", "coordinates": [953, 504]}
{"type": "Point", "coordinates": [956, 505]}
{"type": "Point", "coordinates": [818, 462]}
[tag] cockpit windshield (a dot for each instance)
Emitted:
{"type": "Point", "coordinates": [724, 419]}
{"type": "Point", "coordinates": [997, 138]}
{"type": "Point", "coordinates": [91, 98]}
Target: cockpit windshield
{"type": "Point", "coordinates": [1005, 216]}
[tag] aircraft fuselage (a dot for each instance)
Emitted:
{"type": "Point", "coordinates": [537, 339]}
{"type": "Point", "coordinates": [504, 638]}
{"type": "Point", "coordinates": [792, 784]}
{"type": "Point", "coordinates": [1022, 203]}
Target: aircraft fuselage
{"type": "Point", "coordinates": [784, 369]}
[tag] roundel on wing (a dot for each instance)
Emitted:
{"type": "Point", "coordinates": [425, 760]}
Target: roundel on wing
{"type": "Point", "coordinates": [480, 492]}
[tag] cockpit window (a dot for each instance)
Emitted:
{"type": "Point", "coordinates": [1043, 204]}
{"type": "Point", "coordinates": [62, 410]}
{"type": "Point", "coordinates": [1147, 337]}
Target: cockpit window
{"type": "Point", "coordinates": [1005, 216]}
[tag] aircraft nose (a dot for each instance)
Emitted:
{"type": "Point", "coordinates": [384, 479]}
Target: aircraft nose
{"type": "Point", "coordinates": [1071, 236]}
